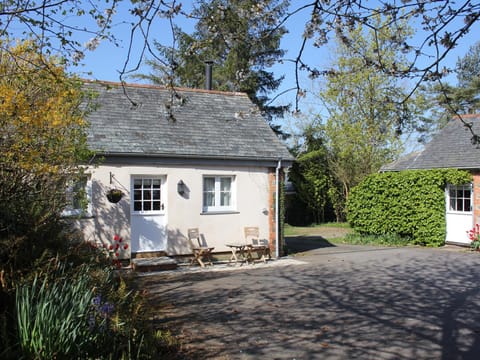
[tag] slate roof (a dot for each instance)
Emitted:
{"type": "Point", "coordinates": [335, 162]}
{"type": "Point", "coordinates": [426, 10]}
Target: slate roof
{"type": "Point", "coordinates": [204, 124]}
{"type": "Point", "coordinates": [450, 148]}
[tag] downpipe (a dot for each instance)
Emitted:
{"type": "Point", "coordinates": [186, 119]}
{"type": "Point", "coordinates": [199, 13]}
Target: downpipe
{"type": "Point", "coordinates": [277, 210]}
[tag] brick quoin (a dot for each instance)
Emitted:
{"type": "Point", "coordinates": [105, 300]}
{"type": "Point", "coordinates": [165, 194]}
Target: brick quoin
{"type": "Point", "coordinates": [272, 183]}
{"type": "Point", "coordinates": [476, 197]}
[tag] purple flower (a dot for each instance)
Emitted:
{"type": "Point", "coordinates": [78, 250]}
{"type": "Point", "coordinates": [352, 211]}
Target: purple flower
{"type": "Point", "coordinates": [107, 309]}
{"type": "Point", "coordinates": [91, 322]}
{"type": "Point", "coordinates": [97, 300]}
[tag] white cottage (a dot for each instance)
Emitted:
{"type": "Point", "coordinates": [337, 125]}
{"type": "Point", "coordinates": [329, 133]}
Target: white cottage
{"type": "Point", "coordinates": [183, 159]}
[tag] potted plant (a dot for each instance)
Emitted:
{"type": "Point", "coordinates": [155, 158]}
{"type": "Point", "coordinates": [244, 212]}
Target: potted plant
{"type": "Point", "coordinates": [114, 195]}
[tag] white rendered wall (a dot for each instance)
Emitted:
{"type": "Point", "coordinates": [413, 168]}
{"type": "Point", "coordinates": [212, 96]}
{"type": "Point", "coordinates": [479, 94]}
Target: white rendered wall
{"type": "Point", "coordinates": [182, 212]}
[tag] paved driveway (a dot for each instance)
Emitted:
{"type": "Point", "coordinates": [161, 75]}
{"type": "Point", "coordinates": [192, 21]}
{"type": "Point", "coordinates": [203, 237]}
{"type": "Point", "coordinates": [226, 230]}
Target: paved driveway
{"type": "Point", "coordinates": [337, 302]}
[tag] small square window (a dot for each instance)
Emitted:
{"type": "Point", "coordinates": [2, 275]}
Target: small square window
{"type": "Point", "coordinates": [79, 198]}
{"type": "Point", "coordinates": [460, 198]}
{"type": "Point", "coordinates": [218, 193]}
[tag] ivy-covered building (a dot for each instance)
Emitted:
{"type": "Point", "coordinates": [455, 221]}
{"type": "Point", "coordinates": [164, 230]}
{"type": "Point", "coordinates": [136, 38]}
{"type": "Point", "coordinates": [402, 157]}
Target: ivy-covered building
{"type": "Point", "coordinates": [453, 148]}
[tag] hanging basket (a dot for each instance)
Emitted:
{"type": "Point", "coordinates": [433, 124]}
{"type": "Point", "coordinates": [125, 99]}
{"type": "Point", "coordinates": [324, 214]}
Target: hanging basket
{"type": "Point", "coordinates": [114, 195]}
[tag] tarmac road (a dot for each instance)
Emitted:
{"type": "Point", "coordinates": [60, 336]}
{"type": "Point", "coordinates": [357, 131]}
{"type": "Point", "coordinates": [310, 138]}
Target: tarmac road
{"type": "Point", "coordinates": [331, 302]}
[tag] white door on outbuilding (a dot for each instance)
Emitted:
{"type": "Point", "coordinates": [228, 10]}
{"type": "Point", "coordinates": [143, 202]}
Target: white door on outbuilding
{"type": "Point", "coordinates": [459, 213]}
{"type": "Point", "coordinates": [148, 214]}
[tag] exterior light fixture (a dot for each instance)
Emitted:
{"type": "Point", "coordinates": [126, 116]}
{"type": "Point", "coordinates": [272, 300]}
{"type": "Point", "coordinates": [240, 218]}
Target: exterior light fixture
{"type": "Point", "coordinates": [181, 187]}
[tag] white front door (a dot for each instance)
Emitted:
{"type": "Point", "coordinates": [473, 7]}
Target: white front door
{"type": "Point", "coordinates": [148, 214]}
{"type": "Point", "coordinates": [459, 213]}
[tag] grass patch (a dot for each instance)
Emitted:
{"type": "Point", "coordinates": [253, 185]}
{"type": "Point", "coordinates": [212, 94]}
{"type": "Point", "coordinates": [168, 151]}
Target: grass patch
{"type": "Point", "coordinates": [341, 233]}
{"type": "Point", "coordinates": [341, 225]}
{"type": "Point", "coordinates": [384, 240]}
{"type": "Point", "coordinates": [313, 229]}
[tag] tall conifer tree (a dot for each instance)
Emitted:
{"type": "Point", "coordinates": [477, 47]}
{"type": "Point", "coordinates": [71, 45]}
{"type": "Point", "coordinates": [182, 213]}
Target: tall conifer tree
{"type": "Point", "coordinates": [241, 38]}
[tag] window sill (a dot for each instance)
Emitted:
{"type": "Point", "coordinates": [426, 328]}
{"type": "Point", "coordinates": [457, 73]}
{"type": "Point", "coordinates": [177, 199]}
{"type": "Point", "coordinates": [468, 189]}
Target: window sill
{"type": "Point", "coordinates": [148, 213]}
{"type": "Point", "coordinates": [226, 212]}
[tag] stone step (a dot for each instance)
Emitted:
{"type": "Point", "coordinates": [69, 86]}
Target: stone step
{"type": "Point", "coordinates": [154, 264]}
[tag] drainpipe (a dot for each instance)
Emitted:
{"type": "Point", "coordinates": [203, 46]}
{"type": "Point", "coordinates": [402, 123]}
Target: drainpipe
{"type": "Point", "coordinates": [277, 210]}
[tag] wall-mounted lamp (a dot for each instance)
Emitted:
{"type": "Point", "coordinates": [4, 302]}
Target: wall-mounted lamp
{"type": "Point", "coordinates": [181, 187]}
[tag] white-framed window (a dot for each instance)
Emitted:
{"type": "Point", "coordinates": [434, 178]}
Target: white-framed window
{"type": "Point", "coordinates": [147, 195]}
{"type": "Point", "coordinates": [459, 198]}
{"type": "Point", "coordinates": [79, 198]}
{"type": "Point", "coordinates": [218, 193]}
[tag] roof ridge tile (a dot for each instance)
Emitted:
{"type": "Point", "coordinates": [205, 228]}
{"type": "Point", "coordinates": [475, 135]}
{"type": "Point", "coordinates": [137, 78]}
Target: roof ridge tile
{"type": "Point", "coordinates": [161, 87]}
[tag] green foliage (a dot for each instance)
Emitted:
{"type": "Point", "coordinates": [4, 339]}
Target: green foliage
{"type": "Point", "coordinates": [84, 311]}
{"type": "Point", "coordinates": [475, 245]}
{"type": "Point", "coordinates": [366, 113]}
{"type": "Point", "coordinates": [447, 101]}
{"type": "Point", "coordinates": [468, 67]}
{"type": "Point", "coordinates": [43, 143]}
{"type": "Point", "coordinates": [408, 204]}
{"type": "Point", "coordinates": [311, 178]}
{"type": "Point", "coordinates": [385, 240]}
{"type": "Point", "coordinates": [336, 195]}
{"type": "Point", "coordinates": [48, 309]}
{"type": "Point", "coordinates": [309, 174]}
{"type": "Point", "coordinates": [53, 315]}
{"type": "Point", "coordinates": [296, 212]}
{"type": "Point", "coordinates": [314, 230]}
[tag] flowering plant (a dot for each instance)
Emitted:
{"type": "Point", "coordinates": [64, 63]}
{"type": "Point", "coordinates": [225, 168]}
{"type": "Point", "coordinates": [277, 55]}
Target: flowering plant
{"type": "Point", "coordinates": [112, 251]}
{"type": "Point", "coordinates": [101, 314]}
{"type": "Point", "coordinates": [474, 236]}
{"type": "Point", "coordinates": [115, 248]}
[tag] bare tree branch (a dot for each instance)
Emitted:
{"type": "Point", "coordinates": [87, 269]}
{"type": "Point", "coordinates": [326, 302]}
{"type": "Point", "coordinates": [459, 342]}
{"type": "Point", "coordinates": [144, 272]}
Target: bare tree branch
{"type": "Point", "coordinates": [56, 26]}
{"type": "Point", "coordinates": [443, 23]}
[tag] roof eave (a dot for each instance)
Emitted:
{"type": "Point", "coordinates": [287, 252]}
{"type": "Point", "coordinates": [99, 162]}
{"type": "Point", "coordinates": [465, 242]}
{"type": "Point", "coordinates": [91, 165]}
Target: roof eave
{"type": "Point", "coordinates": [285, 162]}
{"type": "Point", "coordinates": [466, 168]}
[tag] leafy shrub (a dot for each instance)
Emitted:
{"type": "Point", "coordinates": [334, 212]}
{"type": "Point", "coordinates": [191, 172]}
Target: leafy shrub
{"type": "Point", "coordinates": [43, 146]}
{"type": "Point", "coordinates": [407, 203]}
{"type": "Point", "coordinates": [44, 305]}
{"type": "Point", "coordinates": [85, 311]}
{"type": "Point", "coordinates": [52, 315]}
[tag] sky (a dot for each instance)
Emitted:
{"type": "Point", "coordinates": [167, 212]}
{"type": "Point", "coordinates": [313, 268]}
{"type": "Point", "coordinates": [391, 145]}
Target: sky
{"type": "Point", "coordinates": [107, 60]}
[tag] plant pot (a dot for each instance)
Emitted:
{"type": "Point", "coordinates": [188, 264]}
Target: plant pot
{"type": "Point", "coordinates": [114, 195]}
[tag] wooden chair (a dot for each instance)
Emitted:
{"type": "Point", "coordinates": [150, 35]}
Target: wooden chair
{"type": "Point", "coordinates": [256, 245]}
{"type": "Point", "coordinates": [201, 254]}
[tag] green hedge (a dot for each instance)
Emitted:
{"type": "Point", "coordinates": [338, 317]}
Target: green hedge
{"type": "Point", "coordinates": [408, 203]}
